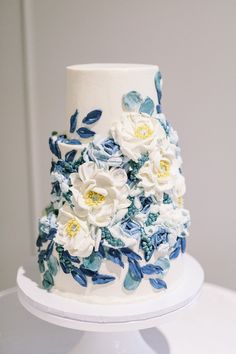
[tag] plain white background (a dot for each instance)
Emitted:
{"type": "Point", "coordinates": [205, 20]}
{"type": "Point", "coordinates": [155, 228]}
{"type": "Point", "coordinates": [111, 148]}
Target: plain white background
{"type": "Point", "coordinates": [193, 42]}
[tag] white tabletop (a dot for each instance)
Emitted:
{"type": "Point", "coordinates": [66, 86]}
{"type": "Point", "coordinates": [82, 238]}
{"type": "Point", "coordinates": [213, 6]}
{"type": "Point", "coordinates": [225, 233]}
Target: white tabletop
{"type": "Point", "coordinates": [207, 327]}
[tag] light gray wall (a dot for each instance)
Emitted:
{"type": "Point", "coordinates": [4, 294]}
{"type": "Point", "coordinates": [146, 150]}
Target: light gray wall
{"type": "Point", "coordinates": [193, 42]}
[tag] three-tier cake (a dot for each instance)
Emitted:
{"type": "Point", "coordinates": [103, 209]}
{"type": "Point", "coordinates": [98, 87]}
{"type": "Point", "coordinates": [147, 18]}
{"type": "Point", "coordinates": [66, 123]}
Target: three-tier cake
{"type": "Point", "coordinates": [115, 229]}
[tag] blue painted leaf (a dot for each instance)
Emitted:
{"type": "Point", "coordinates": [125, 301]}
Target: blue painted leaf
{"type": "Point", "coordinates": [72, 142]}
{"type": "Point", "coordinates": [130, 283]}
{"type": "Point", "coordinates": [88, 272]}
{"type": "Point", "coordinates": [92, 117]}
{"type": "Point", "coordinates": [64, 267]}
{"type": "Point", "coordinates": [158, 283]}
{"type": "Point", "coordinates": [115, 256]}
{"type": "Point", "coordinates": [101, 250]}
{"type": "Point", "coordinates": [158, 108]}
{"type": "Point", "coordinates": [73, 121]}
{"type": "Point", "coordinates": [52, 233]}
{"type": "Point", "coordinates": [71, 258]}
{"type": "Point", "coordinates": [174, 254]}
{"type": "Point", "coordinates": [52, 265]}
{"type": "Point", "coordinates": [70, 155]}
{"type": "Point", "coordinates": [151, 269]}
{"type": "Point", "coordinates": [48, 281]}
{"type": "Point", "coordinates": [147, 106]}
{"type": "Point", "coordinates": [132, 101]}
{"type": "Point", "coordinates": [54, 148]}
{"type": "Point", "coordinates": [183, 244]}
{"type": "Point", "coordinates": [135, 270]}
{"type": "Point", "coordinates": [130, 254]}
{"type": "Point", "coordinates": [85, 133]}
{"type": "Point", "coordinates": [93, 262]}
{"type": "Point", "coordinates": [78, 275]}
{"type": "Point", "coordinates": [102, 279]}
{"type": "Point", "coordinates": [158, 84]}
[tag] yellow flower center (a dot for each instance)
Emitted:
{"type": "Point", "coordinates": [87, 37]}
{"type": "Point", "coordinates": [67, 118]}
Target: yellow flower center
{"type": "Point", "coordinates": [93, 198]}
{"type": "Point", "coordinates": [72, 228]}
{"type": "Point", "coordinates": [164, 169]}
{"type": "Point", "coordinates": [180, 201]}
{"type": "Point", "coordinates": [143, 131]}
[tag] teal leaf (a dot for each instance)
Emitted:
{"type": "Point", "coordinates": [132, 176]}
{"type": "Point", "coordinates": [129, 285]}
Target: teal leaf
{"type": "Point", "coordinates": [92, 117]}
{"type": "Point", "coordinates": [147, 106]}
{"type": "Point", "coordinates": [164, 263]}
{"type": "Point", "coordinates": [158, 84]}
{"type": "Point", "coordinates": [135, 270]}
{"type": "Point", "coordinates": [85, 133]}
{"type": "Point", "coordinates": [102, 279]}
{"type": "Point", "coordinates": [130, 283]}
{"type": "Point", "coordinates": [48, 281]}
{"type": "Point", "coordinates": [158, 283]}
{"type": "Point", "coordinates": [93, 262]}
{"type": "Point", "coordinates": [41, 265]}
{"type": "Point", "coordinates": [73, 121]}
{"type": "Point", "coordinates": [132, 101]}
{"type": "Point", "coordinates": [52, 265]}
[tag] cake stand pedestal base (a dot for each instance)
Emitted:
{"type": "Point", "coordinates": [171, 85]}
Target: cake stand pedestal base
{"type": "Point", "coordinates": [102, 324]}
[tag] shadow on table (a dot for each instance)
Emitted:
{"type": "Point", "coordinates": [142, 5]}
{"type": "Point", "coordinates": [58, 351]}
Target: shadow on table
{"type": "Point", "coordinates": [156, 340]}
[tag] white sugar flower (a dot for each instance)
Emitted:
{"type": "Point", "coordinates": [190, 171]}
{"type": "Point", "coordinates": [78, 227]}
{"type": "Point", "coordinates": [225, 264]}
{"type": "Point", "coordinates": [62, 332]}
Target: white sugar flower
{"type": "Point", "coordinates": [159, 174]}
{"type": "Point", "coordinates": [73, 234]}
{"type": "Point", "coordinates": [137, 134]}
{"type": "Point", "coordinates": [99, 195]}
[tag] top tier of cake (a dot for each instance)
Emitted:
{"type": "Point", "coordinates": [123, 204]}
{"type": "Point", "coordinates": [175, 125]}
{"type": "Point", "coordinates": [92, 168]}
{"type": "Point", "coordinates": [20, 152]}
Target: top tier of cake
{"type": "Point", "coordinates": [102, 86]}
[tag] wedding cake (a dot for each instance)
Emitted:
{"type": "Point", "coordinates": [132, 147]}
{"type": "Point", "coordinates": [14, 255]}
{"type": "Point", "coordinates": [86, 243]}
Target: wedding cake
{"type": "Point", "coordinates": [115, 229]}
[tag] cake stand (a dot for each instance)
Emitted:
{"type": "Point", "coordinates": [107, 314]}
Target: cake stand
{"type": "Point", "coordinates": [109, 328]}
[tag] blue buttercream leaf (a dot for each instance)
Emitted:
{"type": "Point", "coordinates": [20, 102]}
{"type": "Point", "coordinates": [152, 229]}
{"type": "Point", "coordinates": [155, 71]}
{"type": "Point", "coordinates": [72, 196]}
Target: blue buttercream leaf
{"type": "Point", "coordinates": [70, 155]}
{"type": "Point", "coordinates": [73, 121]}
{"type": "Point", "coordinates": [93, 262]}
{"type": "Point", "coordinates": [158, 84]}
{"type": "Point", "coordinates": [135, 270]}
{"type": "Point", "coordinates": [130, 283]}
{"type": "Point", "coordinates": [115, 256]}
{"type": "Point", "coordinates": [151, 269]}
{"type": "Point", "coordinates": [54, 148]}
{"type": "Point", "coordinates": [78, 275]}
{"type": "Point", "coordinates": [130, 254]}
{"type": "Point", "coordinates": [160, 236]}
{"type": "Point", "coordinates": [67, 255]}
{"type": "Point", "coordinates": [72, 142]}
{"type": "Point", "coordinates": [183, 244]}
{"type": "Point", "coordinates": [52, 265]}
{"type": "Point", "coordinates": [147, 106]}
{"type": "Point", "coordinates": [101, 250]}
{"type": "Point", "coordinates": [51, 234]}
{"type": "Point", "coordinates": [85, 133]}
{"type": "Point", "coordinates": [92, 117]}
{"type": "Point", "coordinates": [158, 283]}
{"type": "Point", "coordinates": [64, 267]}
{"type": "Point", "coordinates": [132, 101]}
{"type": "Point", "coordinates": [102, 279]}
{"type": "Point", "coordinates": [174, 254]}
{"type": "Point", "coordinates": [88, 272]}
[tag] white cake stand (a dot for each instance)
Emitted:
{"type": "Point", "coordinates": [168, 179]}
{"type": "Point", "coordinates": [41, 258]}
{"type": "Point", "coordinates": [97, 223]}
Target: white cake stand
{"type": "Point", "coordinates": [97, 320]}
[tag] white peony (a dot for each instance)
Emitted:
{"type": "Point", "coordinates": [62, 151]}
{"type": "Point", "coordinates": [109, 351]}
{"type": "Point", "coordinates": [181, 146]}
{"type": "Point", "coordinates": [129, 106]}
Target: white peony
{"type": "Point", "coordinates": [137, 134]}
{"type": "Point", "coordinates": [73, 234]}
{"type": "Point", "coordinates": [99, 195]}
{"type": "Point", "coordinates": [159, 174]}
